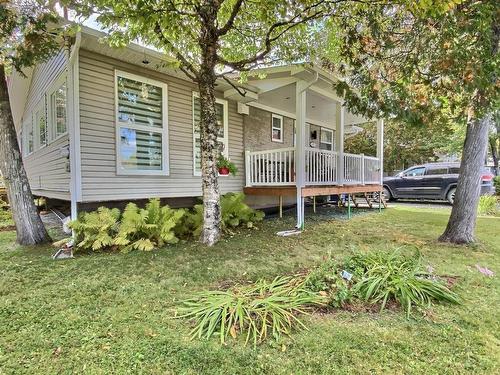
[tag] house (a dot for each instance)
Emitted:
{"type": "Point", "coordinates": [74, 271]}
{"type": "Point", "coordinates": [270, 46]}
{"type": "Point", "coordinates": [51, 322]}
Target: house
{"type": "Point", "coordinates": [98, 124]}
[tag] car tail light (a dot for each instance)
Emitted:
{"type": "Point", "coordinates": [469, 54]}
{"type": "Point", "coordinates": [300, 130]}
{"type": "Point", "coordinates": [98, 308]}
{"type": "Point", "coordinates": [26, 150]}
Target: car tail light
{"type": "Point", "coordinates": [486, 177]}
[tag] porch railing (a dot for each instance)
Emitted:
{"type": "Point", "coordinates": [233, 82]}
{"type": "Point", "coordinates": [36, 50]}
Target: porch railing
{"type": "Point", "coordinates": [277, 167]}
{"type": "Point", "coordinates": [321, 167]}
{"type": "Point", "coordinates": [270, 167]}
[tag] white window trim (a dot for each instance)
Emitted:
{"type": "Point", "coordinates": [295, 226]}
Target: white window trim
{"type": "Point", "coordinates": [25, 134]}
{"type": "Point", "coordinates": [41, 105]}
{"type": "Point", "coordinates": [279, 117]}
{"type": "Point", "coordinates": [51, 113]}
{"type": "Point", "coordinates": [165, 171]}
{"type": "Point", "coordinates": [323, 129]}
{"type": "Point", "coordinates": [225, 139]}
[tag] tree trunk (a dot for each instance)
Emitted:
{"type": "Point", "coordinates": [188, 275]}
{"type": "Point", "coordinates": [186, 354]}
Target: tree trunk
{"type": "Point", "coordinates": [29, 226]}
{"type": "Point", "coordinates": [462, 221]}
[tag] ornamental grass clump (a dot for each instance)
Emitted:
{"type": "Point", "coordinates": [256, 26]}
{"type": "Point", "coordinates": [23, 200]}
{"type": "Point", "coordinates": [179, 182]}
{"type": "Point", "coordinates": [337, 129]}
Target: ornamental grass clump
{"type": "Point", "coordinates": [487, 205]}
{"type": "Point", "coordinates": [402, 278]}
{"type": "Point", "coordinates": [256, 310]}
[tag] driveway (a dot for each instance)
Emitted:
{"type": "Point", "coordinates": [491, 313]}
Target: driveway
{"type": "Point", "coordinates": [421, 204]}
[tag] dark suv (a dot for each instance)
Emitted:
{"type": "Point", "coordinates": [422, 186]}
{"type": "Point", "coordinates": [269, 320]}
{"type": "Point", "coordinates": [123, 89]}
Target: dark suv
{"type": "Point", "coordinates": [431, 181]}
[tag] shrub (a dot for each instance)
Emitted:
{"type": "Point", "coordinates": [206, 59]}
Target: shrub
{"type": "Point", "coordinates": [496, 183]}
{"type": "Point", "coordinates": [235, 212]}
{"type": "Point", "coordinates": [5, 214]}
{"type": "Point", "coordinates": [400, 278]}
{"type": "Point", "coordinates": [148, 228]}
{"type": "Point", "coordinates": [256, 310]}
{"type": "Point", "coordinates": [96, 230]}
{"type": "Point", "coordinates": [487, 205]}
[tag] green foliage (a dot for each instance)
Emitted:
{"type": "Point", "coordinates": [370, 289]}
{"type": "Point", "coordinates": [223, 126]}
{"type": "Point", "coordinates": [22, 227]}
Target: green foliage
{"type": "Point", "coordinates": [222, 162]}
{"type": "Point", "coordinates": [5, 214]}
{"type": "Point", "coordinates": [235, 213]}
{"type": "Point", "coordinates": [96, 230]}
{"type": "Point", "coordinates": [148, 228]}
{"type": "Point", "coordinates": [394, 276]}
{"type": "Point", "coordinates": [256, 310]}
{"type": "Point", "coordinates": [496, 183]}
{"type": "Point", "coordinates": [488, 205]}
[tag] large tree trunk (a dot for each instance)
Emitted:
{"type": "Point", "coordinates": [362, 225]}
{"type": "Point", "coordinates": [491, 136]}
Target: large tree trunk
{"type": "Point", "coordinates": [29, 226]}
{"type": "Point", "coordinates": [462, 221]}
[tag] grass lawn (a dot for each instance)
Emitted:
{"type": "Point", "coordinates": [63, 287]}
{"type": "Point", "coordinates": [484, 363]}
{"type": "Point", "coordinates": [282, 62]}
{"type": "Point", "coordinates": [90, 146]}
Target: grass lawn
{"type": "Point", "coordinates": [111, 313]}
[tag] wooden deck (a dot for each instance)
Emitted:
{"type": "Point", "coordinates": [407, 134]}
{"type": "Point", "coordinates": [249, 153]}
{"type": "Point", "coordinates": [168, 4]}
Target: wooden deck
{"type": "Point", "coordinates": [310, 191]}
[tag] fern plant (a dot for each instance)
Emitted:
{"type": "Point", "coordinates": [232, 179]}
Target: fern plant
{"type": "Point", "coordinates": [148, 228]}
{"type": "Point", "coordinates": [96, 230]}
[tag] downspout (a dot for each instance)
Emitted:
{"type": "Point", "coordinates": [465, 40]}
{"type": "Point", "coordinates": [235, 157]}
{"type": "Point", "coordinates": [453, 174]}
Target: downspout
{"type": "Point", "coordinates": [300, 114]}
{"type": "Point", "coordinates": [74, 124]}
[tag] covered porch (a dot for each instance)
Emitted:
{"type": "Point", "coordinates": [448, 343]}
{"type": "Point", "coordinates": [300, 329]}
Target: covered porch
{"type": "Point", "coordinates": [313, 166]}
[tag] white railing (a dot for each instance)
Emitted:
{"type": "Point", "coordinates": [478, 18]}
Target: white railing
{"type": "Point", "coordinates": [321, 167]}
{"type": "Point", "coordinates": [353, 169]}
{"type": "Point", "coordinates": [277, 167]}
{"type": "Point", "coordinates": [371, 169]}
{"type": "Point", "coordinates": [270, 167]}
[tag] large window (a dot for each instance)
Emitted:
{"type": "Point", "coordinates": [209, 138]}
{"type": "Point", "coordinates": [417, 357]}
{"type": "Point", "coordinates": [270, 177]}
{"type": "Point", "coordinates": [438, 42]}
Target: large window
{"type": "Point", "coordinates": [277, 128]}
{"type": "Point", "coordinates": [326, 139]}
{"type": "Point", "coordinates": [27, 134]}
{"type": "Point", "coordinates": [40, 123]}
{"type": "Point", "coordinates": [222, 130]}
{"type": "Point", "coordinates": [58, 115]}
{"type": "Point", "coordinates": [141, 122]}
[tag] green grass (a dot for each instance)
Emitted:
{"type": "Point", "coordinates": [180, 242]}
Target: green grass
{"type": "Point", "coordinates": [111, 313]}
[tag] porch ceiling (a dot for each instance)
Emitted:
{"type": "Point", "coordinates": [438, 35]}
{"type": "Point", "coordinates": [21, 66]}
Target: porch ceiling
{"type": "Point", "coordinates": [321, 110]}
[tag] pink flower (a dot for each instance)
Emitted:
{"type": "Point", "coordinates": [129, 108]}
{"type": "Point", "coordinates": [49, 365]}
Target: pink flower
{"type": "Point", "coordinates": [485, 271]}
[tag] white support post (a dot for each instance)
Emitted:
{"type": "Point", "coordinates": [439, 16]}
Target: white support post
{"type": "Point", "coordinates": [380, 148]}
{"type": "Point", "coordinates": [362, 169]}
{"type": "Point", "coordinates": [248, 170]}
{"type": "Point", "coordinates": [300, 148]}
{"type": "Point", "coordinates": [339, 142]}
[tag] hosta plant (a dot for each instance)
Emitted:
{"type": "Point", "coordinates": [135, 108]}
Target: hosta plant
{"type": "Point", "coordinates": [96, 230]}
{"type": "Point", "coordinates": [147, 228]}
{"type": "Point", "coordinates": [394, 276]}
{"type": "Point", "coordinates": [256, 311]}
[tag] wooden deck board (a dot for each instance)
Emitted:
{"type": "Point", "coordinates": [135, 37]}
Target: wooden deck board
{"type": "Point", "coordinates": [310, 191]}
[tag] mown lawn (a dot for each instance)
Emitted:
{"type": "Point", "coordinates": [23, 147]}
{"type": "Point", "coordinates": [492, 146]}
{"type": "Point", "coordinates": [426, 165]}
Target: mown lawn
{"type": "Point", "coordinates": [112, 313]}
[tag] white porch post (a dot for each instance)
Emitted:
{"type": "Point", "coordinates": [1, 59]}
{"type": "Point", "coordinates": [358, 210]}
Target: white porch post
{"type": "Point", "coordinates": [300, 147]}
{"type": "Point", "coordinates": [339, 142]}
{"type": "Point", "coordinates": [380, 147]}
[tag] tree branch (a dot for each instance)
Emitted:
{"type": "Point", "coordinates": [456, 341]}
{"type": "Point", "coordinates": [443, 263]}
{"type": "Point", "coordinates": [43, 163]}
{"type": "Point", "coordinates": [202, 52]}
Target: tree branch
{"type": "Point", "coordinates": [230, 22]}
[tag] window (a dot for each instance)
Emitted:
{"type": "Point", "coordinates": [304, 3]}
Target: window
{"type": "Point", "coordinates": [58, 108]}
{"type": "Point", "coordinates": [277, 128]}
{"type": "Point", "coordinates": [436, 171]}
{"type": "Point", "coordinates": [141, 125]}
{"type": "Point", "coordinates": [27, 136]}
{"type": "Point", "coordinates": [326, 139]}
{"type": "Point", "coordinates": [454, 170]}
{"type": "Point", "coordinates": [414, 172]}
{"type": "Point", "coordinates": [222, 130]}
{"type": "Point", "coordinates": [40, 123]}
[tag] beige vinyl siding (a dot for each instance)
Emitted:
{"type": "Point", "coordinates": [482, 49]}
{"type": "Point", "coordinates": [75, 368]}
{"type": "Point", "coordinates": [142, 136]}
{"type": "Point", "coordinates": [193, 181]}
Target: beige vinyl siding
{"type": "Point", "coordinates": [47, 167]}
{"type": "Point", "coordinates": [100, 181]}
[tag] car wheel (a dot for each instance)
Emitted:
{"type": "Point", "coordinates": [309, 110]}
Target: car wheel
{"type": "Point", "coordinates": [386, 194]}
{"type": "Point", "coordinates": [450, 197]}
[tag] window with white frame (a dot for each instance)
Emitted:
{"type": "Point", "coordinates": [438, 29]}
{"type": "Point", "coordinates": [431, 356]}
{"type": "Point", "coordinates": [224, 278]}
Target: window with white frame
{"type": "Point", "coordinates": [326, 139]}
{"type": "Point", "coordinates": [28, 145]}
{"type": "Point", "coordinates": [40, 124]}
{"type": "Point", "coordinates": [221, 110]}
{"type": "Point", "coordinates": [58, 114]}
{"type": "Point", "coordinates": [141, 125]}
{"type": "Point", "coordinates": [277, 128]}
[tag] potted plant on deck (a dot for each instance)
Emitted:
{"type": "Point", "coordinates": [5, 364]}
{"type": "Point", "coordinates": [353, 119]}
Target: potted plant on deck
{"type": "Point", "coordinates": [225, 166]}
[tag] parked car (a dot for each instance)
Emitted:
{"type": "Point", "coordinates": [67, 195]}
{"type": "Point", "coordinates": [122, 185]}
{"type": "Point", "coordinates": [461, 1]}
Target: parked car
{"type": "Point", "coordinates": [433, 181]}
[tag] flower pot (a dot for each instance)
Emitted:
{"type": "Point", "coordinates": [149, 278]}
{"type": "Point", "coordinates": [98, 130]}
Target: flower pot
{"type": "Point", "coordinates": [224, 171]}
